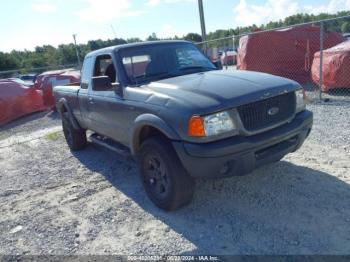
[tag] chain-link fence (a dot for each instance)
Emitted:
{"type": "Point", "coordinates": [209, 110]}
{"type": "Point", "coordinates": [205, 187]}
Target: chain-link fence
{"type": "Point", "coordinates": [36, 70]}
{"type": "Point", "coordinates": [315, 54]}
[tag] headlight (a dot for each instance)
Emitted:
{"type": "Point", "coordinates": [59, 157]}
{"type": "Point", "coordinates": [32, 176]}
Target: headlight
{"type": "Point", "coordinates": [210, 125]}
{"type": "Point", "coordinates": [218, 123]}
{"type": "Point", "coordinates": [300, 100]}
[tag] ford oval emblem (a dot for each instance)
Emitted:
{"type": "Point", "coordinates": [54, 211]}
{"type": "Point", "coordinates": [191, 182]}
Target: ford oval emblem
{"type": "Point", "coordinates": [273, 111]}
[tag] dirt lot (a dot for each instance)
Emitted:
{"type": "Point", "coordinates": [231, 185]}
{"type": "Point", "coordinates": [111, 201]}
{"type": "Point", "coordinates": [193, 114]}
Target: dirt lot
{"type": "Point", "coordinates": [53, 201]}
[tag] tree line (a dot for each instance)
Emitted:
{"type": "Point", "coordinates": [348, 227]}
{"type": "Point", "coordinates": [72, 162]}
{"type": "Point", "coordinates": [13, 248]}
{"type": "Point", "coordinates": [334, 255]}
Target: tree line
{"type": "Point", "coordinates": [47, 56]}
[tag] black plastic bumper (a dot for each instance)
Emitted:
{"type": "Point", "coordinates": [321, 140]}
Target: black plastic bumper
{"type": "Point", "coordinates": [240, 155]}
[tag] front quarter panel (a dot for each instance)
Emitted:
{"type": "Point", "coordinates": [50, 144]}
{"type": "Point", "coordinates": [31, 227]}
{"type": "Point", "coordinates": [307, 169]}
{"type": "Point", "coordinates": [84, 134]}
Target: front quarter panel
{"type": "Point", "coordinates": [153, 121]}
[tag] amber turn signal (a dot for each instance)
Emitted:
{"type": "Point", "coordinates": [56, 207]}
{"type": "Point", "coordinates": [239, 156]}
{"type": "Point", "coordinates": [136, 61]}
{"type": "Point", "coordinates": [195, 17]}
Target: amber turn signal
{"type": "Point", "coordinates": [196, 127]}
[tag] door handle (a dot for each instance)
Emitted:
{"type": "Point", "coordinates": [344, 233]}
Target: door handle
{"type": "Point", "coordinates": [91, 100]}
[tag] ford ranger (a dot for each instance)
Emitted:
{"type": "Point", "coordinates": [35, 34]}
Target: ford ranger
{"type": "Point", "coordinates": [182, 118]}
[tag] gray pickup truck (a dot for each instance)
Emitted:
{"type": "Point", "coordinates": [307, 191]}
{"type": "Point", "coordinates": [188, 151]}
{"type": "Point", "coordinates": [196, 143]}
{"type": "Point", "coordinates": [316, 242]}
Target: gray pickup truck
{"type": "Point", "coordinates": [181, 117]}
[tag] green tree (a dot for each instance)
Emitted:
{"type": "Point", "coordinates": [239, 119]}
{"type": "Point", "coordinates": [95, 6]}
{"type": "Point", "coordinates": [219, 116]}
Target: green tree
{"type": "Point", "coordinates": [193, 37]}
{"type": "Point", "coordinates": [8, 62]}
{"type": "Point", "coordinates": [345, 27]}
{"type": "Point", "coordinates": [152, 37]}
{"type": "Point", "coordinates": [133, 40]}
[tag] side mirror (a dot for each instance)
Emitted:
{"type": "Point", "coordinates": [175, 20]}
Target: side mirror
{"type": "Point", "coordinates": [117, 88]}
{"type": "Point", "coordinates": [218, 64]}
{"type": "Point", "coordinates": [101, 83]}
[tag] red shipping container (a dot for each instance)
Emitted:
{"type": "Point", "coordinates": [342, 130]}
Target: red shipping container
{"type": "Point", "coordinates": [336, 67]}
{"type": "Point", "coordinates": [287, 53]}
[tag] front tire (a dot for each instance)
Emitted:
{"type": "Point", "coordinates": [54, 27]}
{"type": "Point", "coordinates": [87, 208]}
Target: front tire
{"type": "Point", "coordinates": [76, 139]}
{"type": "Point", "coordinates": [164, 178]}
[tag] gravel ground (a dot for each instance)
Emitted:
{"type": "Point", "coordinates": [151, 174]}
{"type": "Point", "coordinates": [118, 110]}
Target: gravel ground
{"type": "Point", "coordinates": [53, 201]}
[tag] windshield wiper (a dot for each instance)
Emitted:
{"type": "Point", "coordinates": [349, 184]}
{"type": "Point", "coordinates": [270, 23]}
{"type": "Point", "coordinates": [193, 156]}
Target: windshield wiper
{"type": "Point", "coordinates": [195, 67]}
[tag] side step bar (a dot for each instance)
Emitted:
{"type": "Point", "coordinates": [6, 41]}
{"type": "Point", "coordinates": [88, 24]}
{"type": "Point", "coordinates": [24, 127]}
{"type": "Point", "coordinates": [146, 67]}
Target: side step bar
{"type": "Point", "coordinates": [110, 144]}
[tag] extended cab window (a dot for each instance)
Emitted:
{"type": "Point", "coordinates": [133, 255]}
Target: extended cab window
{"type": "Point", "coordinates": [136, 65]}
{"type": "Point", "coordinates": [104, 67]}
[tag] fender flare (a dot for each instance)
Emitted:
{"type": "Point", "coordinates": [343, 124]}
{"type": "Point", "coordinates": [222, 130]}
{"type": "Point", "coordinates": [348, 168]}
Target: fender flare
{"type": "Point", "coordinates": [63, 104]}
{"type": "Point", "coordinates": [152, 121]}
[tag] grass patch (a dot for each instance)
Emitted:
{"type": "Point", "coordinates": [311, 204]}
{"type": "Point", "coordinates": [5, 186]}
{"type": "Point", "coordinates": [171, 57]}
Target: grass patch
{"type": "Point", "coordinates": [53, 136]}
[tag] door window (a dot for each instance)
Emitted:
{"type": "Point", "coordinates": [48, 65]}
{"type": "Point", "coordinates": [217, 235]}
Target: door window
{"type": "Point", "coordinates": [86, 72]}
{"type": "Point", "coordinates": [104, 67]}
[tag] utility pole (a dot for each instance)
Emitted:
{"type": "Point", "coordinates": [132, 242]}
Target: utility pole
{"type": "Point", "coordinates": [76, 50]}
{"type": "Point", "coordinates": [201, 17]}
{"type": "Point", "coordinates": [321, 60]}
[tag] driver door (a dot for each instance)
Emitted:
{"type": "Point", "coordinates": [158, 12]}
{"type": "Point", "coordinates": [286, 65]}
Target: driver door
{"type": "Point", "coordinates": [106, 106]}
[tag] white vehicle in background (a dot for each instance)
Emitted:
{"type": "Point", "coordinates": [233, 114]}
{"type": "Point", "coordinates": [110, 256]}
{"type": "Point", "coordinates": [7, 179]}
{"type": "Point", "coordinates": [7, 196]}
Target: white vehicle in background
{"type": "Point", "coordinates": [229, 57]}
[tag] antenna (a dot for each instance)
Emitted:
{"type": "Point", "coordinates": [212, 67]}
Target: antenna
{"type": "Point", "coordinates": [115, 35]}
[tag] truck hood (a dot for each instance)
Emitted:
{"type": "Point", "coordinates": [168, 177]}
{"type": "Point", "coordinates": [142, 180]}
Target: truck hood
{"type": "Point", "coordinates": [217, 89]}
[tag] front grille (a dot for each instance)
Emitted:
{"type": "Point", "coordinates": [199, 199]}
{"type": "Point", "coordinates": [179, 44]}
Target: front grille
{"type": "Point", "coordinates": [255, 116]}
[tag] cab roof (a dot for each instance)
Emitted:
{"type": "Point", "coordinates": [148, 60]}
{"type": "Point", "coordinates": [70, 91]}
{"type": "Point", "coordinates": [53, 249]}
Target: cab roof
{"type": "Point", "coordinates": [122, 46]}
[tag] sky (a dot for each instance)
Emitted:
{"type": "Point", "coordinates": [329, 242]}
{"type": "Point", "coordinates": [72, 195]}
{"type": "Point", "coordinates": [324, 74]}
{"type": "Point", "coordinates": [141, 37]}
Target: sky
{"type": "Point", "coordinates": [25, 24]}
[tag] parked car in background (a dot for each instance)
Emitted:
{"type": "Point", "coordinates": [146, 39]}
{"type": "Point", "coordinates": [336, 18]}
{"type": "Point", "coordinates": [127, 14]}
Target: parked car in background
{"type": "Point", "coordinates": [167, 104]}
{"type": "Point", "coordinates": [229, 57]}
{"type": "Point", "coordinates": [49, 79]}
{"type": "Point", "coordinates": [28, 79]}
{"type": "Point", "coordinates": [18, 80]}
{"type": "Point", "coordinates": [17, 99]}
{"type": "Point", "coordinates": [335, 69]}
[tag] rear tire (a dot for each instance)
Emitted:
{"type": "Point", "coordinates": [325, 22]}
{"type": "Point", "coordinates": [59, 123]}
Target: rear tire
{"type": "Point", "coordinates": [76, 139]}
{"type": "Point", "coordinates": [164, 178]}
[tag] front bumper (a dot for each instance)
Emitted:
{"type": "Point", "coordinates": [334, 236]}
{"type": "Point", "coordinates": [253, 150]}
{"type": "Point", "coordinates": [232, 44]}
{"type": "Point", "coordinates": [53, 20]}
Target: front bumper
{"type": "Point", "coordinates": [240, 155]}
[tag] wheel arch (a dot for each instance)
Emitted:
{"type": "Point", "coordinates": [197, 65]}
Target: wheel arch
{"type": "Point", "coordinates": [148, 125]}
{"type": "Point", "coordinates": [63, 107]}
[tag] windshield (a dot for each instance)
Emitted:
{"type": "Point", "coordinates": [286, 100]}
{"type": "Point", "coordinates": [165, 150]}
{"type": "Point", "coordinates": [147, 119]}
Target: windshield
{"type": "Point", "coordinates": [154, 62]}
